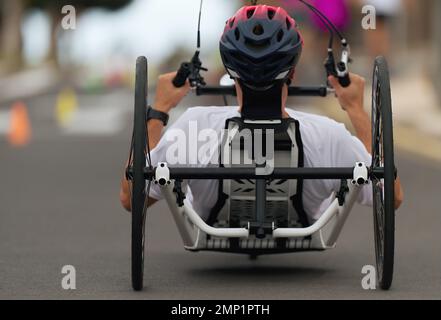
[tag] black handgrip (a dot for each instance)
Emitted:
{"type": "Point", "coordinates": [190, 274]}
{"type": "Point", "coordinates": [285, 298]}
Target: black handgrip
{"type": "Point", "coordinates": [182, 75]}
{"type": "Point", "coordinates": [345, 81]}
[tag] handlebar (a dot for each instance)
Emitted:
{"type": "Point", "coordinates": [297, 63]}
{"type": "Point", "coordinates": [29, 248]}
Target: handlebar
{"type": "Point", "coordinates": [320, 91]}
{"type": "Point", "coordinates": [344, 81]}
{"type": "Point", "coordinates": [182, 75]}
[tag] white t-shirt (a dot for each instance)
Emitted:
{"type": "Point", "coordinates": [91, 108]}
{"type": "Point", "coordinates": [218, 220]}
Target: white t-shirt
{"type": "Point", "coordinates": [326, 143]}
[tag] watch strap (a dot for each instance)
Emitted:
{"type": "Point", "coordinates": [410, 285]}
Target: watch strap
{"type": "Point", "coordinates": [158, 115]}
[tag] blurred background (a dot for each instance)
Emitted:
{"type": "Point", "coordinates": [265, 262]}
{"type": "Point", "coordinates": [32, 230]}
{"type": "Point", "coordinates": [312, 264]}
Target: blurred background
{"type": "Point", "coordinates": [66, 104]}
{"type": "Point", "coordinates": [38, 56]}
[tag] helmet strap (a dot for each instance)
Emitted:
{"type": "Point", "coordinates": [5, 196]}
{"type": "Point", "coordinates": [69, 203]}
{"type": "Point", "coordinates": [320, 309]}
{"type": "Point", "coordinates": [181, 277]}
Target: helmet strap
{"type": "Point", "coordinates": [262, 104]}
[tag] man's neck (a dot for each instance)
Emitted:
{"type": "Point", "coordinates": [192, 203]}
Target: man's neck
{"type": "Point", "coordinates": [283, 101]}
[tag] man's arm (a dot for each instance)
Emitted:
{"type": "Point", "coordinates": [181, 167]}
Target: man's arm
{"type": "Point", "coordinates": [167, 97]}
{"type": "Point", "coordinates": [351, 100]}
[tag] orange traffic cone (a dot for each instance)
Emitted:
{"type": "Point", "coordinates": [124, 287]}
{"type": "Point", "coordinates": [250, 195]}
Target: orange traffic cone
{"type": "Point", "coordinates": [20, 127]}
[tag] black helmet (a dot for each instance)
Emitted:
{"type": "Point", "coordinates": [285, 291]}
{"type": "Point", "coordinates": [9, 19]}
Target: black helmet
{"type": "Point", "coordinates": [260, 45]}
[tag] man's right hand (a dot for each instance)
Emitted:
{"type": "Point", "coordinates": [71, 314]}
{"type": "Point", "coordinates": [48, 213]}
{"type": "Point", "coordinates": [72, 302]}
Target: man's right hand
{"type": "Point", "coordinates": [351, 99]}
{"type": "Point", "coordinates": [167, 95]}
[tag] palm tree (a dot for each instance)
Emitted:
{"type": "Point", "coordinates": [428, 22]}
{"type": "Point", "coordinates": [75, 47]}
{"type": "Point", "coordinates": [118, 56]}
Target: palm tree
{"type": "Point", "coordinates": [11, 13]}
{"type": "Point", "coordinates": [53, 9]}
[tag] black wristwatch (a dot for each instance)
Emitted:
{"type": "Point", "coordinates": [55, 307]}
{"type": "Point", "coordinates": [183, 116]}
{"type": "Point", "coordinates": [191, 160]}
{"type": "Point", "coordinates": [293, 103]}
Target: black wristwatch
{"type": "Point", "coordinates": [158, 115]}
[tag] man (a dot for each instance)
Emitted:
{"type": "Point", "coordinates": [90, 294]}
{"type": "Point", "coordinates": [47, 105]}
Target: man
{"type": "Point", "coordinates": [254, 39]}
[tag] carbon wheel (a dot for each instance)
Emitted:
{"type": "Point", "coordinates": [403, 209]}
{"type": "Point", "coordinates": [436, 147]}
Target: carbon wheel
{"type": "Point", "coordinates": [138, 164]}
{"type": "Point", "coordinates": [383, 189]}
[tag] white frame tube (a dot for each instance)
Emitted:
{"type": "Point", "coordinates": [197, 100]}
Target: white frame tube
{"type": "Point", "coordinates": [215, 232]}
{"type": "Point", "coordinates": [332, 233]}
{"type": "Point", "coordinates": [334, 210]}
{"type": "Point", "coordinates": [305, 232]}
{"type": "Point", "coordinates": [186, 226]}
{"type": "Point", "coordinates": [179, 214]}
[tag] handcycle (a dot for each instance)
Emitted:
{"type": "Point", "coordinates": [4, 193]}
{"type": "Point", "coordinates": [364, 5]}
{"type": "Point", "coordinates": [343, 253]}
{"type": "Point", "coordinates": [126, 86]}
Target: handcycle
{"type": "Point", "coordinates": [258, 229]}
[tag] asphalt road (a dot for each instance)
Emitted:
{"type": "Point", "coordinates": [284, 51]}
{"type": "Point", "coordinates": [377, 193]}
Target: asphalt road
{"type": "Point", "coordinates": [59, 206]}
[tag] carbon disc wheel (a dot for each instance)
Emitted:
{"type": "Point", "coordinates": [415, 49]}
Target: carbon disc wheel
{"type": "Point", "coordinates": [139, 195]}
{"type": "Point", "coordinates": [383, 188]}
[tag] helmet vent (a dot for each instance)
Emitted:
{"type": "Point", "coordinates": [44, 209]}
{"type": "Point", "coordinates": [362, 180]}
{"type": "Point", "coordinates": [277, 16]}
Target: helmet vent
{"type": "Point", "coordinates": [237, 34]}
{"type": "Point", "coordinates": [257, 46]}
{"type": "Point", "coordinates": [288, 24]}
{"type": "Point", "coordinates": [232, 22]}
{"type": "Point", "coordinates": [258, 30]}
{"type": "Point", "coordinates": [280, 35]}
{"type": "Point", "coordinates": [250, 13]}
{"type": "Point", "coordinates": [271, 14]}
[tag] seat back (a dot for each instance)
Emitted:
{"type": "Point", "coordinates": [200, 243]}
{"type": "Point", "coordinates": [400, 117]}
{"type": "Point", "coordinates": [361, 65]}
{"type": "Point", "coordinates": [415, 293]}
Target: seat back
{"type": "Point", "coordinates": [236, 202]}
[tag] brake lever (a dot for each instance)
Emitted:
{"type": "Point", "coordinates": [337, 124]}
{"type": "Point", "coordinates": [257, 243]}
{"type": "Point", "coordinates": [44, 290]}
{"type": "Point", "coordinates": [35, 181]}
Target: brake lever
{"type": "Point", "coordinates": [339, 70]}
{"type": "Point", "coordinates": [196, 79]}
{"type": "Point", "coordinates": [343, 66]}
{"type": "Point", "coordinates": [191, 71]}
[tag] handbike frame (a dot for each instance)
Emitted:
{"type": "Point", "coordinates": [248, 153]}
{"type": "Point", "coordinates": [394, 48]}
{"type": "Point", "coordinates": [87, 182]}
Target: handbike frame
{"type": "Point", "coordinates": [323, 234]}
{"type": "Point", "coordinates": [191, 226]}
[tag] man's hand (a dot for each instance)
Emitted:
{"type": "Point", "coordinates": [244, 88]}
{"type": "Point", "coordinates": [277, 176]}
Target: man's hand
{"type": "Point", "coordinates": [351, 98]}
{"type": "Point", "coordinates": [167, 95]}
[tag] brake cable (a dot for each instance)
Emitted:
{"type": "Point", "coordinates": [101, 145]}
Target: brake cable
{"type": "Point", "coordinates": [339, 70]}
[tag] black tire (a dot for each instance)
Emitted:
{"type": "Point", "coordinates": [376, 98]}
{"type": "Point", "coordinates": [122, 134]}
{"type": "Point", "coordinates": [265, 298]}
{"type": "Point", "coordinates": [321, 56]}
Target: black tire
{"type": "Point", "coordinates": [383, 189]}
{"type": "Point", "coordinates": [139, 182]}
